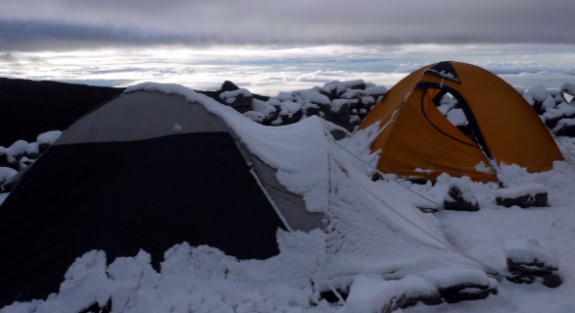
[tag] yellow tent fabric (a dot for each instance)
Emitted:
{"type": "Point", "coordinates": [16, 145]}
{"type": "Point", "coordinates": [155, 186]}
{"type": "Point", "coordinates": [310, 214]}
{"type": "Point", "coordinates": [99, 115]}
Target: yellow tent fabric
{"type": "Point", "coordinates": [417, 141]}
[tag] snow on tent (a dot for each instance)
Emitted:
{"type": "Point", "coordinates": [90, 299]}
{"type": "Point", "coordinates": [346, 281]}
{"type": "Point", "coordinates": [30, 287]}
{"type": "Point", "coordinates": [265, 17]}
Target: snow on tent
{"type": "Point", "coordinates": [145, 171]}
{"type": "Point", "coordinates": [459, 119]}
{"type": "Point", "coordinates": [162, 165]}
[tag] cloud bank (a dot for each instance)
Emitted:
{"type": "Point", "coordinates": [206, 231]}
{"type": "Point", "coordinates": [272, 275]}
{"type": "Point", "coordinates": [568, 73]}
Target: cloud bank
{"type": "Point", "coordinates": [275, 68]}
{"type": "Point", "coordinates": [27, 25]}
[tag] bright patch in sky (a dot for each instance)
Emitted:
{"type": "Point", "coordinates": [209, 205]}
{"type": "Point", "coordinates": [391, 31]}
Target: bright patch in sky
{"type": "Point", "coordinates": [270, 69]}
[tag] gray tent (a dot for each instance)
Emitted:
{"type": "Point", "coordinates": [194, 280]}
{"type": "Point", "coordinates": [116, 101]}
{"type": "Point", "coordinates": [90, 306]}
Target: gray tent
{"type": "Point", "coordinates": [145, 171]}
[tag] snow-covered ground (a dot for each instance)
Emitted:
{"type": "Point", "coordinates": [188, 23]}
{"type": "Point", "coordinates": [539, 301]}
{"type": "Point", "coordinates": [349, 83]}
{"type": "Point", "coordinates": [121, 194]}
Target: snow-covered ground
{"type": "Point", "coordinates": [376, 241]}
{"type": "Point", "coordinates": [484, 235]}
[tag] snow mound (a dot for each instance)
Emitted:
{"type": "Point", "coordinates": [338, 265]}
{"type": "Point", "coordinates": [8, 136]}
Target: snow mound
{"type": "Point", "coordinates": [198, 279]}
{"type": "Point", "coordinates": [536, 93]}
{"type": "Point", "coordinates": [6, 173]}
{"type": "Point", "coordinates": [49, 137]}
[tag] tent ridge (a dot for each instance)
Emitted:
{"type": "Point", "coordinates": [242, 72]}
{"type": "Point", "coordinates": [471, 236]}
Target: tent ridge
{"type": "Point", "coordinates": [445, 70]}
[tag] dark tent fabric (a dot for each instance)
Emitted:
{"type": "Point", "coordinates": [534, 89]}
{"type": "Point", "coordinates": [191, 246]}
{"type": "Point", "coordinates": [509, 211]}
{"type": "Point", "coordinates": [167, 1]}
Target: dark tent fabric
{"type": "Point", "coordinates": [121, 196]}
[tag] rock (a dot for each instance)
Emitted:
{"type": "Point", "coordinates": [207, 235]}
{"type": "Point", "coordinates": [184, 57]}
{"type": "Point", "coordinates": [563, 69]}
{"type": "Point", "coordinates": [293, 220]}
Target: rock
{"type": "Point", "coordinates": [531, 255]}
{"type": "Point", "coordinates": [333, 296]}
{"type": "Point", "coordinates": [95, 308]}
{"type": "Point", "coordinates": [290, 118]}
{"type": "Point", "coordinates": [568, 92]}
{"type": "Point", "coordinates": [534, 267]}
{"type": "Point", "coordinates": [525, 201]}
{"type": "Point", "coordinates": [405, 301]}
{"type": "Point", "coordinates": [462, 284]}
{"type": "Point", "coordinates": [564, 127]}
{"type": "Point", "coordinates": [458, 200]}
{"type": "Point", "coordinates": [524, 196]}
{"type": "Point", "coordinates": [528, 260]}
{"type": "Point", "coordinates": [552, 280]}
{"type": "Point", "coordinates": [228, 86]}
{"type": "Point", "coordinates": [240, 99]}
{"type": "Point", "coordinates": [465, 292]}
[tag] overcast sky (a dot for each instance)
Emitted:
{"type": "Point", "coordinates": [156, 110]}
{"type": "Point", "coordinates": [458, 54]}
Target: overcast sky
{"type": "Point", "coordinates": [275, 45]}
{"type": "Point", "coordinates": [28, 25]}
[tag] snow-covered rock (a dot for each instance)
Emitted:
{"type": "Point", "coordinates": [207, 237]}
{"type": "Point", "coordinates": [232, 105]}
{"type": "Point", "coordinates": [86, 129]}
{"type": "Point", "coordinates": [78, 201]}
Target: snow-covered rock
{"type": "Point", "coordinates": [462, 284]}
{"type": "Point", "coordinates": [525, 195]}
{"type": "Point", "coordinates": [536, 93]}
{"type": "Point", "coordinates": [6, 173]}
{"type": "Point", "coordinates": [532, 253]}
{"type": "Point", "coordinates": [568, 92]}
{"type": "Point", "coordinates": [529, 260]}
{"type": "Point", "coordinates": [375, 294]}
{"type": "Point", "coordinates": [344, 103]}
{"type": "Point", "coordinates": [455, 194]}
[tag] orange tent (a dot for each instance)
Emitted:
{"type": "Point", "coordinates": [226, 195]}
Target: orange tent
{"type": "Point", "coordinates": [418, 141]}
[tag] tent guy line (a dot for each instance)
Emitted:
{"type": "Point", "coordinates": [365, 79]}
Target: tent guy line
{"type": "Point", "coordinates": [439, 206]}
{"type": "Point", "coordinates": [488, 269]}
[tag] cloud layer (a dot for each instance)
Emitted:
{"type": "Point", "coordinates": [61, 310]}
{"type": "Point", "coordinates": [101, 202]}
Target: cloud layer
{"type": "Point", "coordinates": [276, 68]}
{"type": "Point", "coordinates": [65, 24]}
